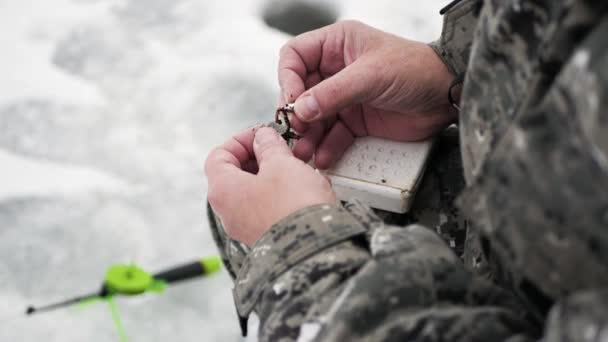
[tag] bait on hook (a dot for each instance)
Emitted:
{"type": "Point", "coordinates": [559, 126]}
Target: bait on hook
{"type": "Point", "coordinates": [281, 122]}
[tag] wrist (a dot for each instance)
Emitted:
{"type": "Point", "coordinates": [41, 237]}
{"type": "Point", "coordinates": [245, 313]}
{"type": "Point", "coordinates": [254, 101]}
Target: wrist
{"type": "Point", "coordinates": [445, 84]}
{"type": "Point", "coordinates": [454, 92]}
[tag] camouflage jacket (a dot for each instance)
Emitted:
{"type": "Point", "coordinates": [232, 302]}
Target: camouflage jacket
{"type": "Point", "coordinates": [534, 148]}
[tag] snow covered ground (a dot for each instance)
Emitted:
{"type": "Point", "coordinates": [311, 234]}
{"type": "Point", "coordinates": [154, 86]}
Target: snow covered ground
{"type": "Point", "coordinates": [107, 111]}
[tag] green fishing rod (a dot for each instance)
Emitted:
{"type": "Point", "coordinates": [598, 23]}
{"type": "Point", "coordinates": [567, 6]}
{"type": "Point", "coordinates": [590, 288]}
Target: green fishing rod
{"type": "Point", "coordinates": [130, 280]}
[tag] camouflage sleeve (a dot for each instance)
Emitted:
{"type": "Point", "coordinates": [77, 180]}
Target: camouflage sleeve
{"type": "Point", "coordinates": [330, 273]}
{"type": "Point", "coordinates": [454, 45]}
{"type": "Point", "coordinates": [581, 317]}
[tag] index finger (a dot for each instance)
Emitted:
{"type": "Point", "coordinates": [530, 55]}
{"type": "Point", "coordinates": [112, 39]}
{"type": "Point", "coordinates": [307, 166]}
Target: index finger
{"type": "Point", "coordinates": [231, 157]}
{"type": "Point", "coordinates": [300, 56]}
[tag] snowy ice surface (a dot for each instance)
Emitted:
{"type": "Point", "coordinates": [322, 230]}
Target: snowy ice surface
{"type": "Point", "coordinates": [107, 111]}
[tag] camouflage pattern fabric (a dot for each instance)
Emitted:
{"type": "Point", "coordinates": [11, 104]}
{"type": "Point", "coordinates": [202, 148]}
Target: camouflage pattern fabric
{"type": "Point", "coordinates": [329, 272]}
{"type": "Point", "coordinates": [533, 134]}
{"type": "Point", "coordinates": [533, 129]}
{"type": "Point", "coordinates": [454, 45]}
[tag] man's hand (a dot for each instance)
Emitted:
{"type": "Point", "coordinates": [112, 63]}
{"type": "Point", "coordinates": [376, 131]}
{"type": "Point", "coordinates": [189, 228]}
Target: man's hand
{"type": "Point", "coordinates": [352, 80]}
{"type": "Point", "coordinates": [255, 181]}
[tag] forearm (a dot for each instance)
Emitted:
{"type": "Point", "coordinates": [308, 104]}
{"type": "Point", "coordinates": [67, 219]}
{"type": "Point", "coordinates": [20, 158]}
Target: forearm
{"type": "Point", "coordinates": [380, 282]}
{"type": "Point", "coordinates": [284, 273]}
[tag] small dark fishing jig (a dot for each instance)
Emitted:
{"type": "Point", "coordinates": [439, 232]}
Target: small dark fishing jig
{"type": "Point", "coordinates": [282, 124]}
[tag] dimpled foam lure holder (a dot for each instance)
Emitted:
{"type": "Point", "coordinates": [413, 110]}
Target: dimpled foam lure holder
{"type": "Point", "coordinates": [383, 174]}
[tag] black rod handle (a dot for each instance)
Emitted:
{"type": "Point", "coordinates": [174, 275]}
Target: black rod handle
{"type": "Point", "coordinates": [181, 273]}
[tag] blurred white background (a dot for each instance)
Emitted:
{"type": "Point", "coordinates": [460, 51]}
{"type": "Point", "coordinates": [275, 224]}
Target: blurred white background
{"type": "Point", "coordinates": [107, 111]}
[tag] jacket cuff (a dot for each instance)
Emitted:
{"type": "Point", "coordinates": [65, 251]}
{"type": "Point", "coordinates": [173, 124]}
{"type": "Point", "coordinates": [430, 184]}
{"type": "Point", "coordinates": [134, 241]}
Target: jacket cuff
{"type": "Point", "coordinates": [454, 45]}
{"type": "Point", "coordinates": [288, 242]}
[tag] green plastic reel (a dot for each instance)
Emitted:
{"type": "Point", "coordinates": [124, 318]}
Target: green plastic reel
{"type": "Point", "coordinates": [128, 280]}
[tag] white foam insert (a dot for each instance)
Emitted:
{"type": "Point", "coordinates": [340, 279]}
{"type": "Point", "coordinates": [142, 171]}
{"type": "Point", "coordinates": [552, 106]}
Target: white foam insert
{"type": "Point", "coordinates": [382, 173]}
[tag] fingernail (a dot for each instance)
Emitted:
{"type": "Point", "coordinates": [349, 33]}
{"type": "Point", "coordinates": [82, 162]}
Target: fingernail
{"type": "Point", "coordinates": [307, 108]}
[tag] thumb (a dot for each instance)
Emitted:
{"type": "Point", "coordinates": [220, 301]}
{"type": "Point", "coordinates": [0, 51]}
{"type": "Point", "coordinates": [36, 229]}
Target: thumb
{"type": "Point", "coordinates": [352, 85]}
{"type": "Point", "coordinates": [267, 144]}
